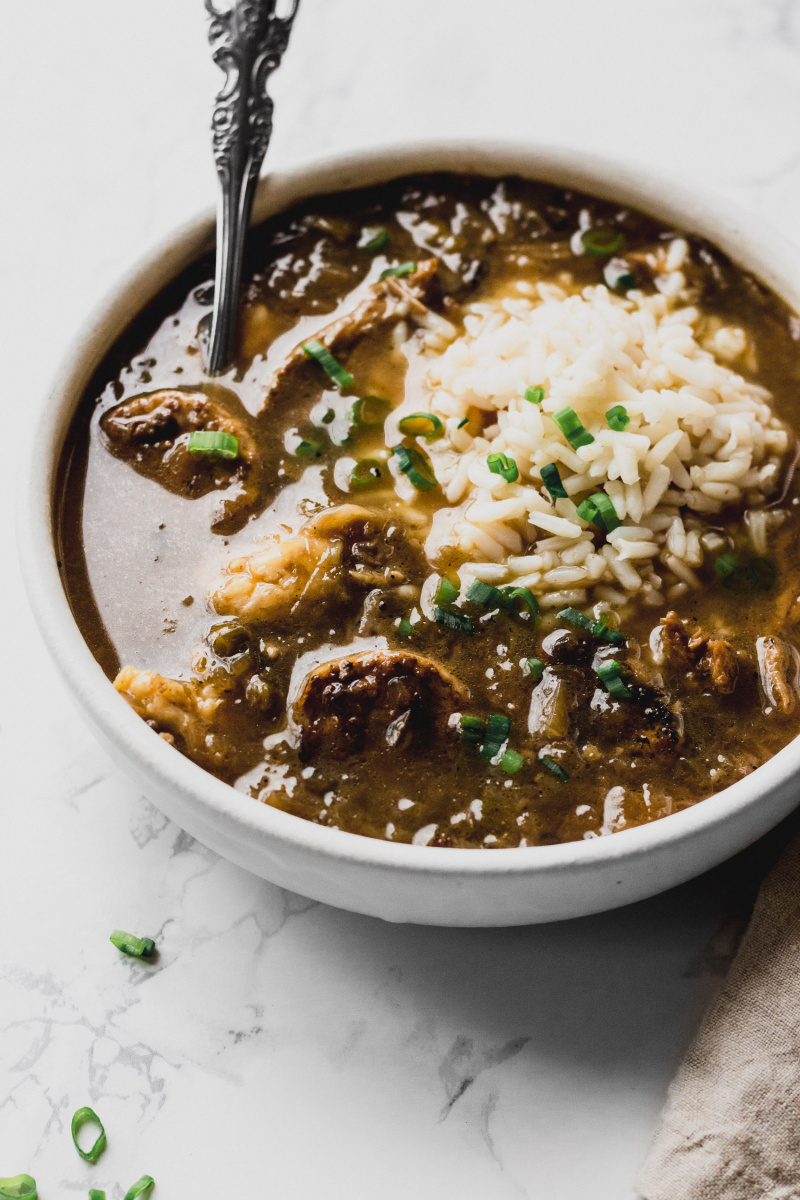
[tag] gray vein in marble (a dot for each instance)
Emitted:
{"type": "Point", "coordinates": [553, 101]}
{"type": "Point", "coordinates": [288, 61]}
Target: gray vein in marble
{"type": "Point", "coordinates": [462, 1065]}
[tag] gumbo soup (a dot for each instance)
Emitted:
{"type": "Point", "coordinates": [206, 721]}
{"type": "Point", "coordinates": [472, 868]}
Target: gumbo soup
{"type": "Point", "coordinates": [490, 537]}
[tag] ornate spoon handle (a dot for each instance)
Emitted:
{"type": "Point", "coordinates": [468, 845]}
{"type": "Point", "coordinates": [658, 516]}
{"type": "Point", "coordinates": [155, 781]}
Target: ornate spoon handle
{"type": "Point", "coordinates": [247, 42]}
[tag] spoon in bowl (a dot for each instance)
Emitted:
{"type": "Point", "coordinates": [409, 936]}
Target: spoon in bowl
{"type": "Point", "coordinates": [247, 42]}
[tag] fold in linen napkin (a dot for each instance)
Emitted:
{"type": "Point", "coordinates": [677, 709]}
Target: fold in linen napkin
{"type": "Point", "coordinates": [731, 1126]}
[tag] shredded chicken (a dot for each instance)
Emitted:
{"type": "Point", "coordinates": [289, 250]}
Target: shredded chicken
{"type": "Point", "coordinates": [714, 657]}
{"type": "Point", "coordinates": [389, 301]}
{"type": "Point", "coordinates": [151, 433]}
{"type": "Point", "coordinates": [310, 568]}
{"type": "Point", "coordinates": [779, 668]}
{"type": "Point", "coordinates": [377, 695]}
{"type": "Point", "coordinates": [183, 710]}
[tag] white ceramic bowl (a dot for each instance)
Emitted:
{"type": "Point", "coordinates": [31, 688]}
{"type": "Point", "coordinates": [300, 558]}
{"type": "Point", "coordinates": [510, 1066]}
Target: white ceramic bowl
{"type": "Point", "coordinates": [400, 882]}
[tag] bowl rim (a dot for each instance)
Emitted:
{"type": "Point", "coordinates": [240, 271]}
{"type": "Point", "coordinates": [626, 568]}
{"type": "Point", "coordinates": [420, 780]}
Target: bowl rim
{"type": "Point", "coordinates": [745, 237]}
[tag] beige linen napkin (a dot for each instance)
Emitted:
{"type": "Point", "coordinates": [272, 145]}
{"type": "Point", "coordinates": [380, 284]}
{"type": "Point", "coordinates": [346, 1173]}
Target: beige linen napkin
{"type": "Point", "coordinates": [731, 1126]}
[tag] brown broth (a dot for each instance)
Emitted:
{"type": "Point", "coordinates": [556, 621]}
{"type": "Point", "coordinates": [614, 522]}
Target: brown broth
{"type": "Point", "coordinates": [137, 559]}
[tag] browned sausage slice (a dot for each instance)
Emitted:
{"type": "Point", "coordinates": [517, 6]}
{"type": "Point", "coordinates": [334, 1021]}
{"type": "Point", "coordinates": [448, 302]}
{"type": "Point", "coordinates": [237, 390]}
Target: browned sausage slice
{"type": "Point", "coordinates": [377, 697]}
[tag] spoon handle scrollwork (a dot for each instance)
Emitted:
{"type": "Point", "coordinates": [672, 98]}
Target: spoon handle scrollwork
{"type": "Point", "coordinates": [247, 42]}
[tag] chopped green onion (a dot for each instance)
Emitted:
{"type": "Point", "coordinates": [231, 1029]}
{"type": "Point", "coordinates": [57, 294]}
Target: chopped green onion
{"type": "Point", "coordinates": [611, 675]}
{"type": "Point", "coordinates": [498, 727]}
{"type": "Point", "coordinates": [484, 594]}
{"type": "Point", "coordinates": [17, 1187]}
{"type": "Point", "coordinates": [618, 275]}
{"type": "Point", "coordinates": [128, 943]}
{"type": "Point", "coordinates": [366, 474]}
{"type": "Point", "coordinates": [725, 565]}
{"type": "Point", "coordinates": [553, 766]}
{"type": "Point", "coordinates": [757, 576]}
{"type": "Point", "coordinates": [762, 574]}
{"type": "Point", "coordinates": [511, 762]}
{"type": "Point", "coordinates": [421, 425]}
{"type": "Point", "coordinates": [618, 418]}
{"type": "Point", "coordinates": [405, 628]}
{"type": "Point", "coordinates": [142, 1187]}
{"type": "Point", "coordinates": [373, 237]}
{"type": "Point", "coordinates": [212, 443]}
{"type": "Point", "coordinates": [446, 592]}
{"type": "Point", "coordinates": [551, 478]}
{"type": "Point", "coordinates": [307, 449]}
{"type": "Point", "coordinates": [602, 242]}
{"type": "Point", "coordinates": [501, 464]}
{"type": "Point", "coordinates": [96, 1194]}
{"type": "Point", "coordinates": [597, 628]}
{"type": "Point", "coordinates": [87, 1116]}
{"type": "Point", "coordinates": [415, 467]}
{"type": "Point", "coordinates": [333, 369]}
{"type": "Point", "coordinates": [407, 268]}
{"type": "Point", "coordinates": [453, 620]}
{"type": "Point", "coordinates": [370, 410]}
{"type": "Point", "coordinates": [526, 599]}
{"type": "Point", "coordinates": [570, 425]}
{"type": "Point", "coordinates": [464, 421]}
{"type": "Point", "coordinates": [472, 729]}
{"type": "Point", "coordinates": [533, 668]}
{"type": "Point", "coordinates": [534, 394]}
{"type": "Point", "coordinates": [600, 511]}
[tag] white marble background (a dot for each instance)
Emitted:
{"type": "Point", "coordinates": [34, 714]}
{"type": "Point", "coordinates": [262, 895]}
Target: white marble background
{"type": "Point", "coordinates": [279, 1048]}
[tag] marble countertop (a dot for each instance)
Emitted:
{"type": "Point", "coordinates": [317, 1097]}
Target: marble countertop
{"type": "Point", "coordinates": [278, 1047]}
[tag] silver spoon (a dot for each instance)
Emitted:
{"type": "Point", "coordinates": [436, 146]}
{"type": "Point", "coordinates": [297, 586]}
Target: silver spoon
{"type": "Point", "coordinates": [247, 42]}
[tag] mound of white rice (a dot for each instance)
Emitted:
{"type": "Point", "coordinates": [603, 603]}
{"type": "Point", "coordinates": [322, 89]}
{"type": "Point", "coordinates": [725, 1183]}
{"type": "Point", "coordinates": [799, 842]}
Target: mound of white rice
{"type": "Point", "coordinates": [700, 439]}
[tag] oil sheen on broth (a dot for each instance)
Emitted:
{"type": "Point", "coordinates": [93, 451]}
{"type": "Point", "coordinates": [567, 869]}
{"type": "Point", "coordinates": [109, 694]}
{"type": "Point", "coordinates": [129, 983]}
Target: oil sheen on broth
{"type": "Point", "coordinates": [326, 622]}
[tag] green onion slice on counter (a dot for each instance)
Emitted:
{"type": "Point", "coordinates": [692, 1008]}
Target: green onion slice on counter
{"type": "Point", "coordinates": [570, 425]}
{"type": "Point", "coordinates": [307, 449]}
{"type": "Point", "coordinates": [551, 478]}
{"type": "Point", "coordinates": [415, 466]}
{"type": "Point", "coordinates": [421, 425]}
{"type": "Point", "coordinates": [96, 1194]}
{"type": "Point", "coordinates": [366, 474]}
{"type": "Point", "coordinates": [370, 410]}
{"type": "Point", "coordinates": [446, 592]}
{"type": "Point", "coordinates": [404, 627]}
{"type": "Point", "coordinates": [18, 1187]}
{"type": "Point", "coordinates": [602, 242]}
{"type": "Point", "coordinates": [212, 443]}
{"type": "Point", "coordinates": [501, 464]}
{"type": "Point", "coordinates": [553, 766]}
{"type": "Point", "coordinates": [333, 369]}
{"type": "Point", "coordinates": [521, 601]}
{"type": "Point", "coordinates": [618, 418]}
{"type": "Point", "coordinates": [87, 1116]}
{"type": "Point", "coordinates": [142, 1187]}
{"type": "Point", "coordinates": [534, 394]}
{"type": "Point", "coordinates": [472, 729]}
{"type": "Point", "coordinates": [611, 675]}
{"type": "Point", "coordinates": [533, 668]}
{"type": "Point", "coordinates": [511, 762]}
{"type": "Point", "coordinates": [484, 594]}
{"type": "Point", "coordinates": [128, 943]}
{"type": "Point", "coordinates": [406, 268]}
{"type": "Point", "coordinates": [618, 275]}
{"type": "Point", "coordinates": [498, 727]}
{"type": "Point", "coordinates": [725, 565]}
{"type": "Point", "coordinates": [373, 237]}
{"type": "Point", "coordinates": [597, 628]}
{"type": "Point", "coordinates": [600, 511]}
{"type": "Point", "coordinates": [453, 620]}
